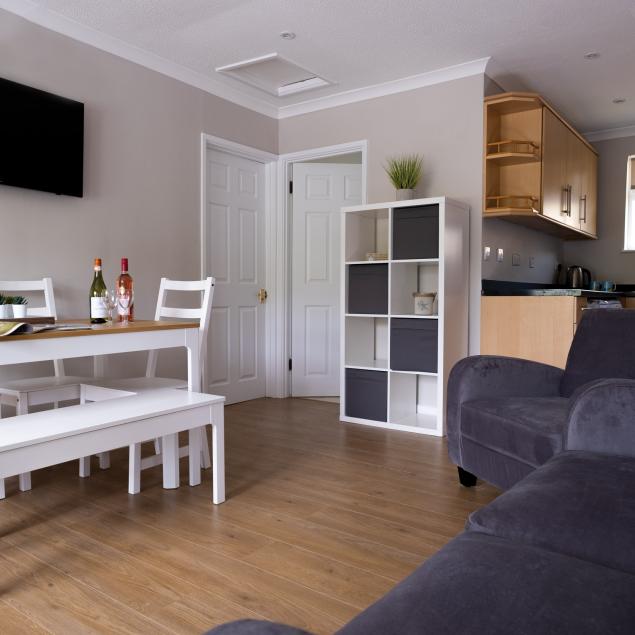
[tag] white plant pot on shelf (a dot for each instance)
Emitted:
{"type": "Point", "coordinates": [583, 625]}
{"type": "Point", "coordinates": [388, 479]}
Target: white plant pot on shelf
{"type": "Point", "coordinates": [5, 311]}
{"type": "Point", "coordinates": [405, 195]}
{"type": "Point", "coordinates": [19, 310]}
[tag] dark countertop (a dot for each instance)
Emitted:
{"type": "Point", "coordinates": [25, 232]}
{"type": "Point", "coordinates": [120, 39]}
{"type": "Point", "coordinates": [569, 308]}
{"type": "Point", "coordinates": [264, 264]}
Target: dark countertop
{"type": "Point", "coordinates": [505, 287]}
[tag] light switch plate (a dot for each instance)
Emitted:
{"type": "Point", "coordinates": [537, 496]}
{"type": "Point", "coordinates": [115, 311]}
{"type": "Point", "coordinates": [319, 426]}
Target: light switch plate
{"type": "Point", "coordinates": [515, 260]}
{"type": "Point", "coordinates": [487, 252]}
{"type": "Point", "coordinates": [532, 262]}
{"type": "Point", "coordinates": [500, 254]}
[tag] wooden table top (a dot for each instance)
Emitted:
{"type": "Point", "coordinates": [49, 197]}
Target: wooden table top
{"type": "Point", "coordinates": [137, 326]}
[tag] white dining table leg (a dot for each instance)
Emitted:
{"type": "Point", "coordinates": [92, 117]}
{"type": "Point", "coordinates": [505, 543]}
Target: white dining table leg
{"type": "Point", "coordinates": [134, 468]}
{"type": "Point", "coordinates": [194, 384]}
{"type": "Point", "coordinates": [22, 408]}
{"type": "Point", "coordinates": [217, 414]}
{"type": "Point", "coordinates": [99, 370]}
{"type": "Point", "coordinates": [170, 447]}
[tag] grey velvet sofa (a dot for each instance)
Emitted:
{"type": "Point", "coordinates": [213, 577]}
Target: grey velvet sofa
{"type": "Point", "coordinates": [507, 416]}
{"type": "Point", "coordinates": [554, 554]}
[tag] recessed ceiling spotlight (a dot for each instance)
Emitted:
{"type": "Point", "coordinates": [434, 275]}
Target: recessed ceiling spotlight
{"type": "Point", "coordinates": [287, 35]}
{"type": "Point", "coordinates": [619, 100]}
{"type": "Point", "coordinates": [593, 55]}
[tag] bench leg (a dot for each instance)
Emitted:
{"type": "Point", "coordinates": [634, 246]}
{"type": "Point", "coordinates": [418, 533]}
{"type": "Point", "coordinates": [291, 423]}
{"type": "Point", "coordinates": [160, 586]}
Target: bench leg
{"type": "Point", "coordinates": [170, 447]}
{"type": "Point", "coordinates": [84, 467]}
{"type": "Point", "coordinates": [134, 469]}
{"type": "Point", "coordinates": [2, 492]}
{"type": "Point", "coordinates": [218, 449]}
{"type": "Point", "coordinates": [194, 443]}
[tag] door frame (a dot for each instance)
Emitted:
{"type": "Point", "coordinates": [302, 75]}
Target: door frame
{"type": "Point", "coordinates": [270, 161]}
{"type": "Point", "coordinates": [281, 338]}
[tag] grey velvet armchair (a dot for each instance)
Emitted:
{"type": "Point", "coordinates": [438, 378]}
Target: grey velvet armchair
{"type": "Point", "coordinates": [507, 416]}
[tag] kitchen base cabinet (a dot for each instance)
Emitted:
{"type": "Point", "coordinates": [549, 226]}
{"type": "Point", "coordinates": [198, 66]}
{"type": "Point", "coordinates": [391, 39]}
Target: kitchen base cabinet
{"type": "Point", "coordinates": [539, 328]}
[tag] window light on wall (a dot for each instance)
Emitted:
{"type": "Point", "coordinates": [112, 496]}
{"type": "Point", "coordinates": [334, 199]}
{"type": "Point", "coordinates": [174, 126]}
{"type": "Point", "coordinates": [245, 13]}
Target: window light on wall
{"type": "Point", "coordinates": [629, 230]}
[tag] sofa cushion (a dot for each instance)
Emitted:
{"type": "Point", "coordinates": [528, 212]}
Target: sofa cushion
{"type": "Point", "coordinates": [481, 584]}
{"type": "Point", "coordinates": [528, 428]}
{"type": "Point", "coordinates": [579, 503]}
{"type": "Point", "coordinates": [603, 348]}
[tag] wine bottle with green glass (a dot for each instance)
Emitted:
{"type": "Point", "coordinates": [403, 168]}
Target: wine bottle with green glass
{"type": "Point", "coordinates": [98, 311]}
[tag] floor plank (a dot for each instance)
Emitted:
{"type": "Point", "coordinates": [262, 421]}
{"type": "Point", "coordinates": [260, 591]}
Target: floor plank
{"type": "Point", "coordinates": [322, 519]}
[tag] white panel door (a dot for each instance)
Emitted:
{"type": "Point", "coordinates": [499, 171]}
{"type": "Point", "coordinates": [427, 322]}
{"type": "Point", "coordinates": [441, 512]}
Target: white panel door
{"type": "Point", "coordinates": [319, 191]}
{"type": "Point", "coordinates": [235, 227]}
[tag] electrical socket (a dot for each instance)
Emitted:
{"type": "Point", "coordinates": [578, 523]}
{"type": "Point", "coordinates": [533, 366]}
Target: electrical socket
{"type": "Point", "coordinates": [500, 254]}
{"type": "Point", "coordinates": [487, 252]}
{"type": "Point", "coordinates": [515, 260]}
{"type": "Point", "coordinates": [532, 262]}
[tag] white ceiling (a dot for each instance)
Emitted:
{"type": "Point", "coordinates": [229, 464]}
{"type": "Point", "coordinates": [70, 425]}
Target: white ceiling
{"type": "Point", "coordinates": [536, 45]}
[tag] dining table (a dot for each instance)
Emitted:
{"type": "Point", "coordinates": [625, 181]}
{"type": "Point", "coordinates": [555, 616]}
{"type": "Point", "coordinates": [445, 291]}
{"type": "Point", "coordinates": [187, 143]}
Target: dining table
{"type": "Point", "coordinates": [80, 338]}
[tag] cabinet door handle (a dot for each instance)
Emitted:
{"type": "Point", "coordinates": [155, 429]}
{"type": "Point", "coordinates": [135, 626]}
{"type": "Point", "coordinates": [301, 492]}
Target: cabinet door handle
{"type": "Point", "coordinates": [569, 188]}
{"type": "Point", "coordinates": [564, 207]}
{"type": "Point", "coordinates": [583, 200]}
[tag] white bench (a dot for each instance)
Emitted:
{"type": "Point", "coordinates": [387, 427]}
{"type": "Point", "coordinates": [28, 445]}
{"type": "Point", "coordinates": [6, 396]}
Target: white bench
{"type": "Point", "coordinates": [40, 439]}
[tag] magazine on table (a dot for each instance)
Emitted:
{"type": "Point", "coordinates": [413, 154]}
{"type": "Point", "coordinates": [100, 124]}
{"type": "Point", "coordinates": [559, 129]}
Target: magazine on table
{"type": "Point", "coordinates": [21, 328]}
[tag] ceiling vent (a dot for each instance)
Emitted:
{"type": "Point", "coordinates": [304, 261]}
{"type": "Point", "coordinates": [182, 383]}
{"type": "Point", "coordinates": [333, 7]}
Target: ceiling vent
{"type": "Point", "coordinates": [274, 74]}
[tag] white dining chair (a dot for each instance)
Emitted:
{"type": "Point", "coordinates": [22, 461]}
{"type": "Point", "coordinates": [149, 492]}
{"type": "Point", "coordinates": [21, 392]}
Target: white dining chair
{"type": "Point", "coordinates": [23, 394]}
{"type": "Point", "coordinates": [150, 381]}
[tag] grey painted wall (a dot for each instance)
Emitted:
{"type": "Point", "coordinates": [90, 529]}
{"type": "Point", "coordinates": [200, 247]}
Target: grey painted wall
{"type": "Point", "coordinates": [443, 122]}
{"type": "Point", "coordinates": [604, 257]}
{"type": "Point", "coordinates": [142, 163]}
{"type": "Point", "coordinates": [546, 250]}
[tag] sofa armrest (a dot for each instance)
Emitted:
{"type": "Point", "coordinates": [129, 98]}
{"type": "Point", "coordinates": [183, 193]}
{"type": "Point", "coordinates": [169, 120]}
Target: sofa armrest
{"type": "Point", "coordinates": [484, 376]}
{"type": "Point", "coordinates": [602, 418]}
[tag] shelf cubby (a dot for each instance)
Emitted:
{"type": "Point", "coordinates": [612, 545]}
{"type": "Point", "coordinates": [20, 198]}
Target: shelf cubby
{"type": "Point", "coordinates": [415, 232]}
{"type": "Point", "coordinates": [366, 342]}
{"type": "Point", "coordinates": [366, 394]}
{"type": "Point", "coordinates": [414, 401]}
{"type": "Point", "coordinates": [414, 345]}
{"type": "Point", "coordinates": [407, 278]}
{"type": "Point", "coordinates": [366, 233]}
{"type": "Point", "coordinates": [367, 288]}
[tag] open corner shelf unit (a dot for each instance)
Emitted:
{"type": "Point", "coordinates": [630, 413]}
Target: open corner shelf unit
{"type": "Point", "coordinates": [394, 363]}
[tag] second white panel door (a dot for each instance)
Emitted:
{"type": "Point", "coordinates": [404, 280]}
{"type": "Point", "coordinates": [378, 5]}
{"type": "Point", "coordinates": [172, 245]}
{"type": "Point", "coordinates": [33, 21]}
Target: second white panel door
{"type": "Point", "coordinates": [235, 231]}
{"type": "Point", "coordinates": [320, 190]}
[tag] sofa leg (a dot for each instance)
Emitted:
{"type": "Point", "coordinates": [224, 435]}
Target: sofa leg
{"type": "Point", "coordinates": [466, 478]}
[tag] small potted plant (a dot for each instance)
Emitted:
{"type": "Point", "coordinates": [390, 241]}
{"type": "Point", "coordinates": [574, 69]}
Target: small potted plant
{"type": "Point", "coordinates": [404, 172]}
{"type": "Point", "coordinates": [5, 307]}
{"type": "Point", "coordinates": [18, 304]}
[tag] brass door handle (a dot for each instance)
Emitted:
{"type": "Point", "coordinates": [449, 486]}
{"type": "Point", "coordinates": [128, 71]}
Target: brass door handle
{"type": "Point", "coordinates": [262, 296]}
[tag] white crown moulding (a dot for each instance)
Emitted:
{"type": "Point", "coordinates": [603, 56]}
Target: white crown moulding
{"type": "Point", "coordinates": [610, 133]}
{"type": "Point", "coordinates": [76, 31]}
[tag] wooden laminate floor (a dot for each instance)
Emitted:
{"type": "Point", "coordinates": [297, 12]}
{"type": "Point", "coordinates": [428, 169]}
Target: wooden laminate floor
{"type": "Point", "coordinates": [321, 520]}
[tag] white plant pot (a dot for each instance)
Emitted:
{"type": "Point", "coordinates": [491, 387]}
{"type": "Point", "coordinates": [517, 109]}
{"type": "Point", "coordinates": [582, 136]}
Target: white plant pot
{"type": "Point", "coordinates": [5, 311]}
{"type": "Point", "coordinates": [19, 310]}
{"type": "Point", "coordinates": [405, 195]}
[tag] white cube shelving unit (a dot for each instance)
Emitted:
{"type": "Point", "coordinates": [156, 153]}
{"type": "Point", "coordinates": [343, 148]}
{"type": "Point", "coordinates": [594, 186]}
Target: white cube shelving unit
{"type": "Point", "coordinates": [395, 364]}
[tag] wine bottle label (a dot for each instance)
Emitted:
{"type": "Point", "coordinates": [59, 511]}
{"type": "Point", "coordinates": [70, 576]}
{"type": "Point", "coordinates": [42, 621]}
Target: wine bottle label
{"type": "Point", "coordinates": [97, 308]}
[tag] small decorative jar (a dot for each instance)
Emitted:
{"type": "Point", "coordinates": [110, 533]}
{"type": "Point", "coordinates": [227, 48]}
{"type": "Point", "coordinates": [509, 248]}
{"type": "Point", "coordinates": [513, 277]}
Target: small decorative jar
{"type": "Point", "coordinates": [424, 303]}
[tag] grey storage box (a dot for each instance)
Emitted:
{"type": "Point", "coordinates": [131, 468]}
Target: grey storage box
{"type": "Point", "coordinates": [368, 288]}
{"type": "Point", "coordinates": [413, 345]}
{"type": "Point", "coordinates": [415, 233]}
{"type": "Point", "coordinates": [367, 394]}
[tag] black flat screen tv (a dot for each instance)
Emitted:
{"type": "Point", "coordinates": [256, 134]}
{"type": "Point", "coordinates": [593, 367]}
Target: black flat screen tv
{"type": "Point", "coordinates": [41, 140]}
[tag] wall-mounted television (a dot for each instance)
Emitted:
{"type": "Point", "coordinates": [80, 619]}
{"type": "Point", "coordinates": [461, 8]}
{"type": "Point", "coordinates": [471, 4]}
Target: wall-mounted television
{"type": "Point", "coordinates": [41, 140]}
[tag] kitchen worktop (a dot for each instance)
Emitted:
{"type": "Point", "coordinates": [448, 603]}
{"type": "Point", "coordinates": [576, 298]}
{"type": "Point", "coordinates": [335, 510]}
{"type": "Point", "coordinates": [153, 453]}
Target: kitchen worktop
{"type": "Point", "coordinates": [504, 287]}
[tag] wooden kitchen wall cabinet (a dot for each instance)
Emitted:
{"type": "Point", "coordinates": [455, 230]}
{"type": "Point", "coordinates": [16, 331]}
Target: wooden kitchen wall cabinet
{"type": "Point", "coordinates": [539, 328]}
{"type": "Point", "coordinates": [538, 171]}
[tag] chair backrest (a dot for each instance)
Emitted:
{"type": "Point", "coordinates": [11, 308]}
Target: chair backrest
{"type": "Point", "coordinates": [603, 348]}
{"type": "Point", "coordinates": [205, 288]}
{"type": "Point", "coordinates": [48, 310]}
